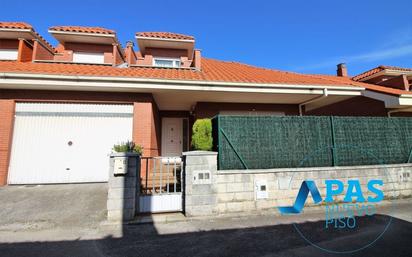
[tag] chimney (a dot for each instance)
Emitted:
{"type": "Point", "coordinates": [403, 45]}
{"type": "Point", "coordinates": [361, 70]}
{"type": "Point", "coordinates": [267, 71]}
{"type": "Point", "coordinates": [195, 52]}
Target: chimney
{"type": "Point", "coordinates": [129, 44]}
{"type": "Point", "coordinates": [197, 59]}
{"type": "Point", "coordinates": [342, 71]}
{"type": "Point", "coordinates": [130, 54]}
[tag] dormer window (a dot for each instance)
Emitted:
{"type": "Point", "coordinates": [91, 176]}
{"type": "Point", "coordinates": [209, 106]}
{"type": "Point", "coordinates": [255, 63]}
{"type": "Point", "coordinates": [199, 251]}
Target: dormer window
{"type": "Point", "coordinates": [93, 45]}
{"type": "Point", "coordinates": [8, 54]}
{"type": "Point", "coordinates": [166, 62]}
{"type": "Point", "coordinates": [82, 57]}
{"type": "Point", "coordinates": [165, 49]}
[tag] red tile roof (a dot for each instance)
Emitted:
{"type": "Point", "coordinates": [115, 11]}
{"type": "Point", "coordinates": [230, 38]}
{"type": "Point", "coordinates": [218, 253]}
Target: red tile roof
{"type": "Point", "coordinates": [81, 29]}
{"type": "Point", "coordinates": [164, 35]}
{"type": "Point", "coordinates": [372, 87]}
{"type": "Point", "coordinates": [24, 25]}
{"type": "Point", "coordinates": [378, 69]}
{"type": "Point", "coordinates": [15, 25]}
{"type": "Point", "coordinates": [212, 71]}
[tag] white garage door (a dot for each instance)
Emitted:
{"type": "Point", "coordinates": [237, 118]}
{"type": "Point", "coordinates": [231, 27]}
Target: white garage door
{"type": "Point", "coordinates": [66, 143]}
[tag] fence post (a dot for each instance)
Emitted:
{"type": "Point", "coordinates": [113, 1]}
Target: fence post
{"type": "Point", "coordinates": [332, 127]}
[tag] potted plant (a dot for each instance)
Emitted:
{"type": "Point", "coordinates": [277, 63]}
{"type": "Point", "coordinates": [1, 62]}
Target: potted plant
{"type": "Point", "coordinates": [128, 147]}
{"type": "Point", "coordinates": [122, 153]}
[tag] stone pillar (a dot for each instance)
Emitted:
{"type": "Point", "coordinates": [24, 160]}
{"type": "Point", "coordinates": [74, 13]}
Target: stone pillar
{"type": "Point", "coordinates": [199, 194]}
{"type": "Point", "coordinates": [123, 191]}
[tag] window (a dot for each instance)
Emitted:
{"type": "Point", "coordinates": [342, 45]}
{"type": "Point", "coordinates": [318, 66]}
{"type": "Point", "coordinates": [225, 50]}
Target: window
{"type": "Point", "coordinates": [164, 62]}
{"type": "Point", "coordinates": [8, 54]}
{"type": "Point", "coordinates": [81, 57]}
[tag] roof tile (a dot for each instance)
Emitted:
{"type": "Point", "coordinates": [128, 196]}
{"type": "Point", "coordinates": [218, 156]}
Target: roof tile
{"type": "Point", "coordinates": [378, 69]}
{"type": "Point", "coordinates": [15, 25]}
{"type": "Point", "coordinates": [24, 25]}
{"type": "Point", "coordinates": [212, 71]}
{"type": "Point", "coordinates": [81, 29]}
{"type": "Point", "coordinates": [164, 35]}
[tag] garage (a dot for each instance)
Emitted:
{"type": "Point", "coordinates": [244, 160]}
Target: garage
{"type": "Point", "coordinates": [66, 142]}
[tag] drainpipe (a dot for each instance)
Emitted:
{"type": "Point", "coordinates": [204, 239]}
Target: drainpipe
{"type": "Point", "coordinates": [325, 94]}
{"type": "Point", "coordinates": [399, 110]}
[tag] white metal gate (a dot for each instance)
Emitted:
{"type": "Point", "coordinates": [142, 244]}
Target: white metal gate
{"type": "Point", "coordinates": [65, 142]}
{"type": "Point", "coordinates": [161, 184]}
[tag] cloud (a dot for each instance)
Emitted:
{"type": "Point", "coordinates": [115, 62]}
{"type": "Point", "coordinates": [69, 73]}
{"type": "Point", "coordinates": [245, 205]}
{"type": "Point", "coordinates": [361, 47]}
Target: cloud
{"type": "Point", "coordinates": [378, 55]}
{"type": "Point", "coordinates": [382, 55]}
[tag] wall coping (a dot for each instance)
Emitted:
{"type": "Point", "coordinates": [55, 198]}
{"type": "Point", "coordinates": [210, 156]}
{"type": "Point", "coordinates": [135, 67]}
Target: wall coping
{"type": "Point", "coordinates": [309, 169]}
{"type": "Point", "coordinates": [125, 154]}
{"type": "Point", "coordinates": [199, 153]}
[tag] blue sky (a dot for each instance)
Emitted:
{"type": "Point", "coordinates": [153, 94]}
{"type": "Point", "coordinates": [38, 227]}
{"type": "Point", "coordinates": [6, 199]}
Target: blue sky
{"type": "Point", "coordinates": [302, 36]}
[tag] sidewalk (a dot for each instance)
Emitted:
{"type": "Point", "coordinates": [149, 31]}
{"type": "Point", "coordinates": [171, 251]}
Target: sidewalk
{"type": "Point", "coordinates": [174, 222]}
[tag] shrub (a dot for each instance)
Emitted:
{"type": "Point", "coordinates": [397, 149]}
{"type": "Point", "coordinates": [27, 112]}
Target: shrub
{"type": "Point", "coordinates": [202, 135]}
{"type": "Point", "coordinates": [128, 147]}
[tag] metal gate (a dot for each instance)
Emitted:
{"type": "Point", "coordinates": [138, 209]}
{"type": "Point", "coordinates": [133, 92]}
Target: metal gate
{"type": "Point", "coordinates": [161, 184]}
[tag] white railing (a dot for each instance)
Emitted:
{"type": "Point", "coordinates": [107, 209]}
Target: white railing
{"type": "Point", "coordinates": [161, 175]}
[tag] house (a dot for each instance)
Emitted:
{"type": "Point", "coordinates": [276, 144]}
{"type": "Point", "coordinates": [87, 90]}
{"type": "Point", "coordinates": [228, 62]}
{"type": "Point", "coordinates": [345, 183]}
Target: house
{"type": "Point", "coordinates": [62, 108]}
{"type": "Point", "coordinates": [397, 80]}
{"type": "Point", "coordinates": [388, 76]}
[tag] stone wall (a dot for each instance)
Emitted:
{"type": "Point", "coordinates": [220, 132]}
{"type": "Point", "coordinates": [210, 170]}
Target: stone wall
{"type": "Point", "coordinates": [231, 191]}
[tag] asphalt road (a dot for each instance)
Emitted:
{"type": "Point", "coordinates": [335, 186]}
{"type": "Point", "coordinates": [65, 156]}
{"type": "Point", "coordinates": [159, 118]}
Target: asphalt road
{"type": "Point", "coordinates": [266, 235]}
{"type": "Point", "coordinates": [278, 240]}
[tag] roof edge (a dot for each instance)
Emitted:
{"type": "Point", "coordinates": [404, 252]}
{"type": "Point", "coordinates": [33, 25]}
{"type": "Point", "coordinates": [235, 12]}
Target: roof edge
{"type": "Point", "coordinates": [339, 87]}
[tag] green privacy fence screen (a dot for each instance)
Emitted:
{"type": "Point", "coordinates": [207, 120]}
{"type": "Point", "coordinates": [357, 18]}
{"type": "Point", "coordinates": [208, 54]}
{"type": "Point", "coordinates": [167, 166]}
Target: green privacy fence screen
{"type": "Point", "coordinates": [261, 142]}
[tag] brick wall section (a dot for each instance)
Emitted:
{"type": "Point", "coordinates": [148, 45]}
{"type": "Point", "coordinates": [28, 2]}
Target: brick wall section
{"type": "Point", "coordinates": [89, 48]}
{"type": "Point", "coordinates": [130, 54]}
{"type": "Point", "coordinates": [147, 59]}
{"type": "Point", "coordinates": [146, 128]}
{"type": "Point", "coordinates": [40, 52]}
{"type": "Point", "coordinates": [356, 106]}
{"type": "Point", "coordinates": [63, 55]}
{"type": "Point", "coordinates": [65, 52]}
{"type": "Point", "coordinates": [9, 43]}
{"type": "Point", "coordinates": [208, 110]}
{"type": "Point", "coordinates": [6, 130]}
{"type": "Point", "coordinates": [25, 52]}
{"type": "Point", "coordinates": [399, 82]}
{"type": "Point", "coordinates": [197, 59]}
{"type": "Point", "coordinates": [74, 96]}
{"type": "Point", "coordinates": [117, 57]}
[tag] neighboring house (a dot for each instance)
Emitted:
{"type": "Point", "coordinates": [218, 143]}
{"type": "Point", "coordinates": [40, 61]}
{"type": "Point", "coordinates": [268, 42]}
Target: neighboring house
{"type": "Point", "coordinates": [388, 76]}
{"type": "Point", "coordinates": [396, 80]}
{"type": "Point", "coordinates": [63, 108]}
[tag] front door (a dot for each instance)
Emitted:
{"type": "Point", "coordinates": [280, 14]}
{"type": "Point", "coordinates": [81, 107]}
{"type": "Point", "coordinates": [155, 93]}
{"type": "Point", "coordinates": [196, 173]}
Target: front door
{"type": "Point", "coordinates": [162, 183]}
{"type": "Point", "coordinates": [172, 136]}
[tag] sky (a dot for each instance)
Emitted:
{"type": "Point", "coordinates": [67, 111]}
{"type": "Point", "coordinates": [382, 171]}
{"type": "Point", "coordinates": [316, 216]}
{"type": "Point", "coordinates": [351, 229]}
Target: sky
{"type": "Point", "coordinates": [307, 36]}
